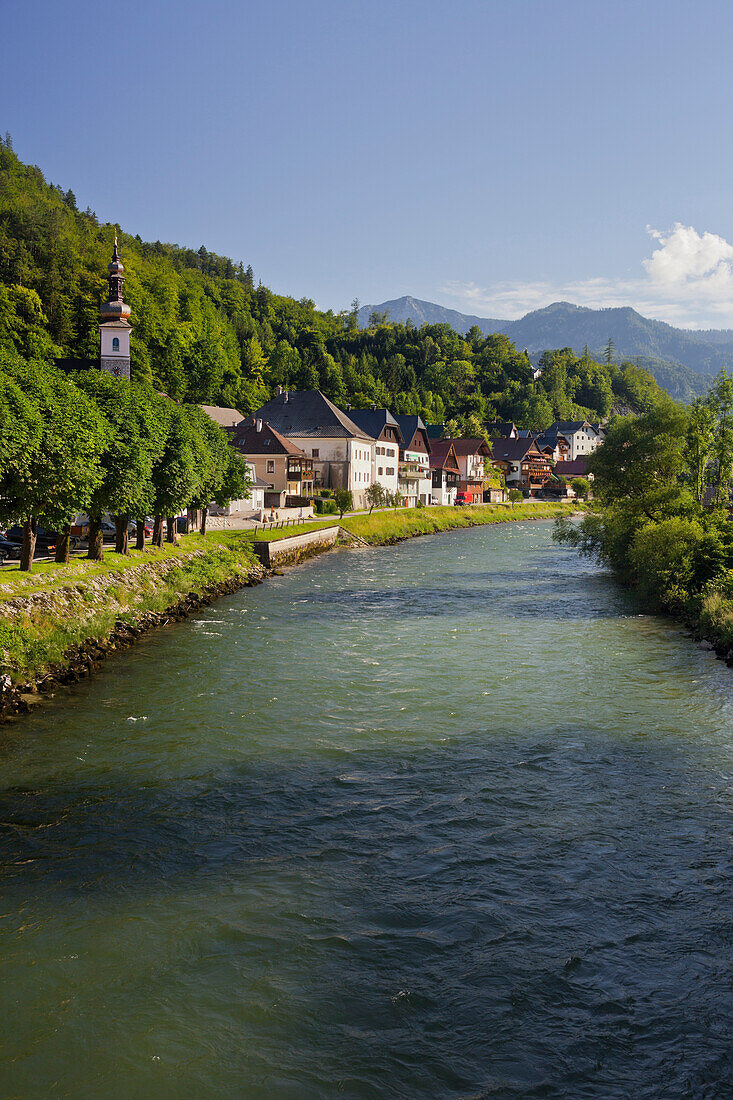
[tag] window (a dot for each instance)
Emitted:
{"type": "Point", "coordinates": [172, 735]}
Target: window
{"type": "Point", "coordinates": [390, 470]}
{"type": "Point", "coordinates": [315, 453]}
{"type": "Point", "coordinates": [379, 471]}
{"type": "Point", "coordinates": [115, 343]}
{"type": "Point", "coordinates": [271, 465]}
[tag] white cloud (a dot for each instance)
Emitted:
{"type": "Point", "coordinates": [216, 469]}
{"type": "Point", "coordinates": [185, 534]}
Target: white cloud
{"type": "Point", "coordinates": [687, 281]}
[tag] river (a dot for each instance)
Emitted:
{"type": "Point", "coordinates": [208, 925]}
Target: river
{"type": "Point", "coordinates": [446, 819]}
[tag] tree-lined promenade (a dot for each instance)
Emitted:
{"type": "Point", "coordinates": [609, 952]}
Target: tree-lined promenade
{"type": "Point", "coordinates": [97, 444]}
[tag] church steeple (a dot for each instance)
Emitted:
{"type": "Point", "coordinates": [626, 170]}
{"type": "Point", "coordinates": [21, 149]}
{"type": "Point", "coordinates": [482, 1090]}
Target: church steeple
{"type": "Point", "coordinates": [114, 327]}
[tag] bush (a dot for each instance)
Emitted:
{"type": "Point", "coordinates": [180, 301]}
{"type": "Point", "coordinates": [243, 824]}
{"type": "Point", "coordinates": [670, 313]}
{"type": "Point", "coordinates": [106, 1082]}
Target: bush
{"type": "Point", "coordinates": [662, 556]}
{"type": "Point", "coordinates": [419, 504]}
{"type": "Point", "coordinates": [516, 495]}
{"type": "Point", "coordinates": [325, 507]}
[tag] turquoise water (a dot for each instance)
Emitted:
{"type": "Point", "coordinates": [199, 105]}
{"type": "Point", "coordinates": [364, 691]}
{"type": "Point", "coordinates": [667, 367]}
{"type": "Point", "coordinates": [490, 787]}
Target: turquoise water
{"type": "Point", "coordinates": [448, 819]}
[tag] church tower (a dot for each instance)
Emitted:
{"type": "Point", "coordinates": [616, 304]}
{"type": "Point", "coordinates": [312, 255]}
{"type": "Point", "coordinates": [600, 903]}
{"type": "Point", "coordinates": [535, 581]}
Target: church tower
{"type": "Point", "coordinates": [114, 326]}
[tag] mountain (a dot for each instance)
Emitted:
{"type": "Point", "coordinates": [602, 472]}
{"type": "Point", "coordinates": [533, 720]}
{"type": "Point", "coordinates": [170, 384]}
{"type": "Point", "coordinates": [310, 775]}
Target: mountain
{"type": "Point", "coordinates": [428, 313]}
{"type": "Point", "coordinates": [682, 361]}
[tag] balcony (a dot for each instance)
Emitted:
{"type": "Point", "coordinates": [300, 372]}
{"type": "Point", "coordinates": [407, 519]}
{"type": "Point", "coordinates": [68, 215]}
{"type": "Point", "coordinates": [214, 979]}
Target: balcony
{"type": "Point", "coordinates": [413, 471]}
{"type": "Point", "coordinates": [300, 469]}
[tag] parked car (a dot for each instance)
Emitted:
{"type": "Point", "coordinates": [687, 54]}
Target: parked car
{"type": "Point", "coordinates": [46, 540]}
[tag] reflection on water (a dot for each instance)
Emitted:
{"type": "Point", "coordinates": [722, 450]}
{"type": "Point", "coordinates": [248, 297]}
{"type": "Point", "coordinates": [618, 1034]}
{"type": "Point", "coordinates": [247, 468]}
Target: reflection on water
{"type": "Point", "coordinates": [447, 819]}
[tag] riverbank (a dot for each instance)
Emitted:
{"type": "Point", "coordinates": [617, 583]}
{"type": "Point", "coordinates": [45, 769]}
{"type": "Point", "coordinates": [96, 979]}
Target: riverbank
{"type": "Point", "coordinates": [60, 622]}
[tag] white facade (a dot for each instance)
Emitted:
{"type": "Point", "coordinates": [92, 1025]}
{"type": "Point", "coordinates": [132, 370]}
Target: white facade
{"type": "Point", "coordinates": [254, 504]}
{"type": "Point", "coordinates": [385, 470]}
{"type": "Point", "coordinates": [340, 462]}
{"type": "Point", "coordinates": [583, 442]}
{"type": "Point", "coordinates": [415, 478]}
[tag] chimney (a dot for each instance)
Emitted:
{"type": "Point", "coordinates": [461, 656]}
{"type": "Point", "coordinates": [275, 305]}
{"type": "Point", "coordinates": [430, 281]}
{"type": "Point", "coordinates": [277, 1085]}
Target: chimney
{"type": "Point", "coordinates": [286, 395]}
{"type": "Point", "coordinates": [279, 390]}
{"type": "Point", "coordinates": [258, 425]}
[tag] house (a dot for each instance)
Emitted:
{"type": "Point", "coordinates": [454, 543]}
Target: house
{"type": "Point", "coordinates": [582, 437]}
{"type": "Point", "coordinates": [499, 430]}
{"type": "Point", "coordinates": [569, 470]}
{"type": "Point", "coordinates": [554, 445]}
{"type": "Point", "coordinates": [415, 481]}
{"type": "Point", "coordinates": [278, 462]}
{"type": "Point", "coordinates": [249, 507]}
{"type": "Point", "coordinates": [343, 453]}
{"type": "Point", "coordinates": [445, 471]}
{"type": "Point", "coordinates": [473, 455]}
{"type": "Point", "coordinates": [523, 464]}
{"type": "Point", "coordinates": [225, 418]}
{"type": "Point", "coordinates": [384, 429]}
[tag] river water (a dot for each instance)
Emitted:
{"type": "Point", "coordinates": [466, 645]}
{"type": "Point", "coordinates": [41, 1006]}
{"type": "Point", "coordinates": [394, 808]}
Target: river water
{"type": "Point", "coordinates": [447, 819]}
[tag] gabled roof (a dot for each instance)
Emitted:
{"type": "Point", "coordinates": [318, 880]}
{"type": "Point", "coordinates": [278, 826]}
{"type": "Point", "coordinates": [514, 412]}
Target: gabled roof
{"type": "Point", "coordinates": [374, 421]}
{"type": "Point", "coordinates": [443, 455]}
{"type": "Point", "coordinates": [225, 418]}
{"type": "Point", "coordinates": [434, 431]}
{"type": "Point", "coordinates": [409, 425]}
{"type": "Point", "coordinates": [500, 429]}
{"type": "Point", "coordinates": [309, 413]}
{"type": "Point", "coordinates": [560, 427]}
{"type": "Point", "coordinates": [514, 450]}
{"type": "Point", "coordinates": [464, 447]}
{"type": "Point", "coordinates": [246, 439]}
{"type": "Point", "coordinates": [578, 468]}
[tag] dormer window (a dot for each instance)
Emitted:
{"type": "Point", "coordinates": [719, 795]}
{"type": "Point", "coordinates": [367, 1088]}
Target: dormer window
{"type": "Point", "coordinates": [115, 343]}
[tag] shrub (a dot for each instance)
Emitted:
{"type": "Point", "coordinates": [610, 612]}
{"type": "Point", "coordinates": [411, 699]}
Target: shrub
{"type": "Point", "coordinates": [325, 507]}
{"type": "Point", "coordinates": [662, 557]}
{"type": "Point", "coordinates": [419, 504]}
{"type": "Point", "coordinates": [516, 495]}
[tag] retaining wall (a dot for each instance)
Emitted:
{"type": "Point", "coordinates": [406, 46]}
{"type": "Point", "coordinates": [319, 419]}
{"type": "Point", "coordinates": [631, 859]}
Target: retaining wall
{"type": "Point", "coordinates": [295, 547]}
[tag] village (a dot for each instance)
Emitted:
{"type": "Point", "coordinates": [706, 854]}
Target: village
{"type": "Point", "coordinates": [301, 449]}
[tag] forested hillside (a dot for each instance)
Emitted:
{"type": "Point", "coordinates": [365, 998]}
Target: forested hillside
{"type": "Point", "coordinates": [204, 332]}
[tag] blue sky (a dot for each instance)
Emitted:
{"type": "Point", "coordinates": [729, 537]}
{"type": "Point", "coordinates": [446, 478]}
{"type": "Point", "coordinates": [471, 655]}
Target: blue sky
{"type": "Point", "coordinates": [493, 156]}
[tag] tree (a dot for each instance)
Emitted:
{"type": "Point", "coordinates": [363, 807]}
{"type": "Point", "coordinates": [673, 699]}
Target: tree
{"type": "Point", "coordinates": [609, 352]}
{"type": "Point", "coordinates": [375, 496]}
{"type": "Point", "coordinates": [131, 411]}
{"type": "Point", "coordinates": [698, 444]}
{"type": "Point", "coordinates": [580, 486]}
{"type": "Point", "coordinates": [223, 474]}
{"type": "Point", "coordinates": [62, 470]}
{"type": "Point", "coordinates": [174, 477]}
{"type": "Point", "coordinates": [720, 399]}
{"type": "Point", "coordinates": [344, 501]}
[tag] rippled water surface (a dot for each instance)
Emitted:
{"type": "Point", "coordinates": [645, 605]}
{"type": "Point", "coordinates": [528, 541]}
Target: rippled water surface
{"type": "Point", "coordinates": [450, 819]}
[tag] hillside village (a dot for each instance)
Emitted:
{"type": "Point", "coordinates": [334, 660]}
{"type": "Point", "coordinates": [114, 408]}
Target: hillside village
{"type": "Point", "coordinates": [300, 448]}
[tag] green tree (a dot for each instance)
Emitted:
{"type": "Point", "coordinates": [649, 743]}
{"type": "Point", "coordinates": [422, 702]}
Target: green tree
{"type": "Point", "coordinates": [720, 400]}
{"type": "Point", "coordinates": [175, 477]}
{"type": "Point", "coordinates": [375, 495]}
{"type": "Point", "coordinates": [344, 501]}
{"type": "Point", "coordinates": [59, 475]}
{"type": "Point", "coordinates": [698, 444]}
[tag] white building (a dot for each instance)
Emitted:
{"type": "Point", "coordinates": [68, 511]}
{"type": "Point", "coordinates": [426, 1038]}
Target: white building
{"type": "Point", "coordinates": [343, 453]}
{"type": "Point", "coordinates": [583, 437]}
{"type": "Point", "coordinates": [415, 479]}
{"type": "Point", "coordinates": [384, 429]}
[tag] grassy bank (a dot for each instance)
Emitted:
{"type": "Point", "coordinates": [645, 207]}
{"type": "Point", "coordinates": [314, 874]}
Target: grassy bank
{"type": "Point", "coordinates": [381, 528]}
{"type": "Point", "coordinates": [384, 527]}
{"type": "Point", "coordinates": [46, 614]}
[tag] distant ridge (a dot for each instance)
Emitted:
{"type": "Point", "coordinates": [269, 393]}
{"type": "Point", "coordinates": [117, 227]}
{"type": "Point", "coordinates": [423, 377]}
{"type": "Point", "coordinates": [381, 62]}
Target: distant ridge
{"type": "Point", "coordinates": [681, 361]}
